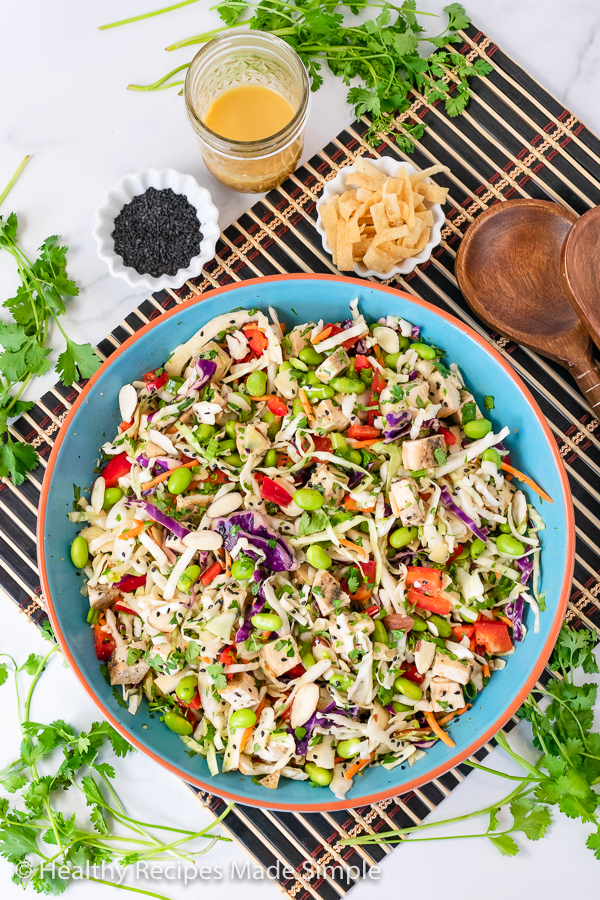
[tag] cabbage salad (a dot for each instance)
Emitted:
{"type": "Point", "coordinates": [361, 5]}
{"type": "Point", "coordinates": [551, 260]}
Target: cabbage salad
{"type": "Point", "coordinates": [303, 549]}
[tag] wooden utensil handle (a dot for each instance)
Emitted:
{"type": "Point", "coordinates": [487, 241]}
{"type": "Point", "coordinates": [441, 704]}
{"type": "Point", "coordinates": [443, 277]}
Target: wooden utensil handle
{"type": "Point", "coordinates": [586, 374]}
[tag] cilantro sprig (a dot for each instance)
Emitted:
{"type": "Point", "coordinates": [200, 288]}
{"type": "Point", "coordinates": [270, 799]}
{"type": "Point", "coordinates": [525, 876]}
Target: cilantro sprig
{"type": "Point", "coordinates": [567, 771]}
{"type": "Point", "coordinates": [383, 53]}
{"type": "Point", "coordinates": [48, 847]}
{"type": "Point", "coordinates": [39, 302]}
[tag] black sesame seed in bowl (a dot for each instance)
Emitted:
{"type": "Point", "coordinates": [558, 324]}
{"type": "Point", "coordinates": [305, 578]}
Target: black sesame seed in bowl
{"type": "Point", "coordinates": [157, 229]}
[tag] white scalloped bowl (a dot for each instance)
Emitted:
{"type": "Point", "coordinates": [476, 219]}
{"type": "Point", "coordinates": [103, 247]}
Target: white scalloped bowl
{"type": "Point", "coordinates": [389, 167]}
{"type": "Point", "coordinates": [131, 186]}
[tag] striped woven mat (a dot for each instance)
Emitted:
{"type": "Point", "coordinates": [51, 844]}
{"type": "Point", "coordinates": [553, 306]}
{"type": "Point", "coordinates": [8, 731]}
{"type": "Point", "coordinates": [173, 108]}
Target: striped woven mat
{"type": "Point", "coordinates": [514, 140]}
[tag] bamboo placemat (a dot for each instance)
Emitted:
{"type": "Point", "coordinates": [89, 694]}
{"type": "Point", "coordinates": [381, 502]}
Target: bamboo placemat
{"type": "Point", "coordinates": [514, 140]}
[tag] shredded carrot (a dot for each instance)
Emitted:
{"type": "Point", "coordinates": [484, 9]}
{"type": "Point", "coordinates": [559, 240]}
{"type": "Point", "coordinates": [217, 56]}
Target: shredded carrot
{"type": "Point", "coordinates": [358, 444]}
{"type": "Point", "coordinates": [378, 354]}
{"type": "Point", "coordinates": [506, 468]}
{"type": "Point", "coordinates": [305, 404]}
{"type": "Point", "coordinates": [486, 670]}
{"type": "Point", "coordinates": [432, 721]}
{"type": "Point", "coordinates": [361, 594]}
{"type": "Point", "coordinates": [352, 771]}
{"type": "Point", "coordinates": [459, 712]}
{"type": "Point", "coordinates": [133, 532]}
{"type": "Point", "coordinates": [352, 506]}
{"type": "Point", "coordinates": [248, 730]}
{"type": "Point", "coordinates": [227, 564]}
{"type": "Point", "coordinates": [164, 475]}
{"type": "Point", "coordinates": [322, 335]}
{"type": "Point", "coordinates": [506, 621]}
{"type": "Point", "coordinates": [361, 550]}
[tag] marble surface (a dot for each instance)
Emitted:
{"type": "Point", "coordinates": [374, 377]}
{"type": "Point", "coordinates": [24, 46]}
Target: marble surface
{"type": "Point", "coordinates": [64, 102]}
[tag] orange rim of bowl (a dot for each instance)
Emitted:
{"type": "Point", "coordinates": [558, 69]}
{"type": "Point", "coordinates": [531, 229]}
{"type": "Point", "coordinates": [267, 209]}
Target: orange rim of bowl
{"type": "Point", "coordinates": [462, 753]}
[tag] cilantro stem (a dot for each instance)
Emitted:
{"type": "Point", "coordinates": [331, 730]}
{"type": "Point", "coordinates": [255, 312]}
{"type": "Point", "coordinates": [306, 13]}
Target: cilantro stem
{"type": "Point", "coordinates": [149, 15]}
{"type": "Point", "coordinates": [481, 768]}
{"type": "Point", "coordinates": [13, 180]}
{"type": "Point", "coordinates": [160, 84]}
{"type": "Point", "coordinates": [203, 38]}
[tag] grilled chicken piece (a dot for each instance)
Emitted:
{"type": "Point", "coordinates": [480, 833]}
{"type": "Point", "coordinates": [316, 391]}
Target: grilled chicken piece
{"type": "Point", "coordinates": [328, 593]}
{"type": "Point", "coordinates": [102, 595]}
{"type": "Point", "coordinates": [274, 656]}
{"type": "Point", "coordinates": [241, 691]}
{"type": "Point", "coordinates": [404, 498]}
{"type": "Point", "coordinates": [120, 672]}
{"type": "Point", "coordinates": [420, 454]}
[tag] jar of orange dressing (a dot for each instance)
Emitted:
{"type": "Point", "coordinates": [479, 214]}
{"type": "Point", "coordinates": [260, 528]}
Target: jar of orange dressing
{"type": "Point", "coordinates": [247, 97]}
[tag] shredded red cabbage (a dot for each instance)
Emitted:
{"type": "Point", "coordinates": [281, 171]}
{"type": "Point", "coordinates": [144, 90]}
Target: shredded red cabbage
{"type": "Point", "coordinates": [265, 542]}
{"type": "Point", "coordinates": [415, 332]}
{"type": "Point", "coordinates": [142, 460]}
{"type": "Point", "coordinates": [525, 567]}
{"type": "Point", "coordinates": [398, 425]}
{"type": "Point", "coordinates": [161, 518]}
{"type": "Point", "coordinates": [361, 347]}
{"type": "Point", "coordinates": [514, 611]}
{"type": "Point", "coordinates": [206, 368]}
{"type": "Point", "coordinates": [412, 375]}
{"type": "Point", "coordinates": [446, 498]}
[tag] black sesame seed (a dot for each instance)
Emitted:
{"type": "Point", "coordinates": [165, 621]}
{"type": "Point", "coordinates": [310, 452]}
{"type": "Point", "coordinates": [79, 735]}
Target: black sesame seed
{"type": "Point", "coordinates": [158, 233]}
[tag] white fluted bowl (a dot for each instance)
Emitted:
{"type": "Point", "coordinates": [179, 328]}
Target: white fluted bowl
{"type": "Point", "coordinates": [389, 167]}
{"type": "Point", "coordinates": [131, 186]}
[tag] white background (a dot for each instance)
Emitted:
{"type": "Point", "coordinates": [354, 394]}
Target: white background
{"type": "Point", "coordinates": [63, 100]}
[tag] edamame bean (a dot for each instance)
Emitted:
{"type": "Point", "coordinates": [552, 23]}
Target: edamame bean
{"type": "Point", "coordinates": [477, 548]}
{"type": "Point", "coordinates": [444, 628]}
{"type": "Point", "coordinates": [234, 459]}
{"type": "Point", "coordinates": [391, 360]}
{"type": "Point", "coordinates": [229, 428]}
{"type": "Point", "coordinates": [187, 578]}
{"type": "Point", "coordinates": [477, 428]}
{"type": "Point", "coordinates": [491, 455]}
{"type": "Point", "coordinates": [463, 553]}
{"type": "Point", "coordinates": [242, 718]}
{"type": "Point", "coordinates": [311, 379]}
{"type": "Point", "coordinates": [179, 481]}
{"type": "Point", "coordinates": [509, 545]}
{"type": "Point", "coordinates": [380, 633]}
{"type": "Point", "coordinates": [308, 499]}
{"type": "Point", "coordinates": [419, 624]}
{"type": "Point", "coordinates": [111, 496]}
{"type": "Point", "coordinates": [347, 385]}
{"type": "Point", "coordinates": [338, 441]}
{"type": "Point", "coordinates": [242, 568]}
{"type": "Point", "coordinates": [403, 343]}
{"type": "Point", "coordinates": [319, 776]}
{"type": "Point", "coordinates": [284, 367]}
{"type": "Point", "coordinates": [298, 364]}
{"type": "Point", "coordinates": [317, 557]}
{"type": "Point", "coordinates": [205, 432]}
{"type": "Point", "coordinates": [256, 383]}
{"type": "Point", "coordinates": [226, 445]}
{"type": "Point", "coordinates": [408, 688]}
{"type": "Point", "coordinates": [504, 528]}
{"type": "Point", "coordinates": [307, 658]}
{"type": "Point", "coordinates": [319, 392]}
{"type": "Point", "coordinates": [402, 536]}
{"type": "Point", "coordinates": [270, 459]}
{"type": "Point", "coordinates": [297, 408]}
{"type": "Point", "coordinates": [400, 707]}
{"type": "Point", "coordinates": [311, 356]}
{"type": "Point", "coordinates": [267, 621]}
{"type": "Point", "coordinates": [80, 552]}
{"type": "Point", "coordinates": [348, 749]}
{"type": "Point", "coordinates": [177, 723]}
{"type": "Point", "coordinates": [423, 350]}
{"type": "Point", "coordinates": [341, 682]}
{"type": "Point", "coordinates": [187, 688]}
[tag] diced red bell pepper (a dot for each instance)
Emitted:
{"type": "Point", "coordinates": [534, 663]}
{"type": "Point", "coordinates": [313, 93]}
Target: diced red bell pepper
{"type": "Point", "coordinates": [494, 636]}
{"type": "Point", "coordinates": [125, 425]}
{"type": "Point", "coordinates": [363, 432]}
{"type": "Point", "coordinates": [256, 339]}
{"type": "Point", "coordinates": [379, 384]}
{"type": "Point", "coordinates": [297, 671]}
{"type": "Point", "coordinates": [438, 605]}
{"type": "Point", "coordinates": [424, 579]}
{"type": "Point", "coordinates": [122, 607]}
{"type": "Point", "coordinates": [216, 477]}
{"type": "Point", "coordinates": [273, 492]}
{"type": "Point", "coordinates": [322, 445]}
{"type": "Point", "coordinates": [373, 611]}
{"type": "Point", "coordinates": [277, 406]}
{"type": "Point", "coordinates": [115, 468]}
{"type": "Point", "coordinates": [409, 670]}
{"type": "Point", "coordinates": [104, 643]}
{"type": "Point", "coordinates": [449, 437]}
{"type": "Point", "coordinates": [131, 583]}
{"type": "Point", "coordinates": [227, 656]}
{"type": "Point", "coordinates": [459, 631]}
{"type": "Point", "coordinates": [361, 362]}
{"type": "Point", "coordinates": [158, 383]}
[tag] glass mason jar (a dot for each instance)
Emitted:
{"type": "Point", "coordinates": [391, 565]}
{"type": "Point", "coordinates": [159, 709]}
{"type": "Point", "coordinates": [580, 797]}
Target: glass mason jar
{"type": "Point", "coordinates": [242, 57]}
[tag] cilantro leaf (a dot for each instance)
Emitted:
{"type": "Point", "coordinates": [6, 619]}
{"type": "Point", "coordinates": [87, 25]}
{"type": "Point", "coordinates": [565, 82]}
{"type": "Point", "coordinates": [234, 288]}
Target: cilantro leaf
{"type": "Point", "coordinates": [504, 843]}
{"type": "Point", "coordinates": [31, 664]}
{"type": "Point", "coordinates": [353, 580]}
{"type": "Point", "coordinates": [77, 361]}
{"type": "Point", "coordinates": [16, 459]}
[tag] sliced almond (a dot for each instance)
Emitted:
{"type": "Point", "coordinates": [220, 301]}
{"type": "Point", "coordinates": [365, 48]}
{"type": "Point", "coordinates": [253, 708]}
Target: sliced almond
{"type": "Point", "coordinates": [97, 498]}
{"type": "Point", "coordinates": [387, 339]}
{"type": "Point", "coordinates": [225, 505]}
{"type": "Point", "coordinates": [127, 402]}
{"type": "Point", "coordinates": [162, 441]}
{"type": "Point", "coordinates": [304, 705]}
{"type": "Point", "coordinates": [203, 540]}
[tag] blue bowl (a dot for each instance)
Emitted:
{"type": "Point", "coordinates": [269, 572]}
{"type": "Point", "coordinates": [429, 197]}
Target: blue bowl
{"type": "Point", "coordinates": [94, 419]}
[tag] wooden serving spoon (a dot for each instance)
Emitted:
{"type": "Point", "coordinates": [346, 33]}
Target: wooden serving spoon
{"type": "Point", "coordinates": [581, 270]}
{"type": "Point", "coordinates": [509, 269]}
